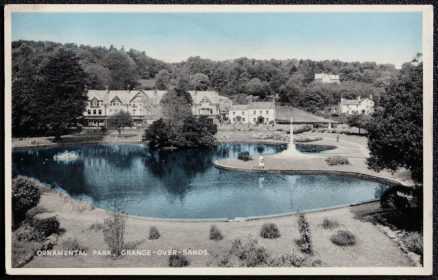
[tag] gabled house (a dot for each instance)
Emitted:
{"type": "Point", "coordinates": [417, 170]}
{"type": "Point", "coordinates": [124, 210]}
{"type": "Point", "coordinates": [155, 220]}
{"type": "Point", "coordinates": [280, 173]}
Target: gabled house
{"type": "Point", "coordinates": [357, 106]}
{"type": "Point", "coordinates": [327, 78]}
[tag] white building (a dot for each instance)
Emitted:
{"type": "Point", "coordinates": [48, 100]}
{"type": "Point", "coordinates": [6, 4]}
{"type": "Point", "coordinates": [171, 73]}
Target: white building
{"type": "Point", "coordinates": [357, 106]}
{"type": "Point", "coordinates": [327, 78]}
{"type": "Point", "coordinates": [253, 113]}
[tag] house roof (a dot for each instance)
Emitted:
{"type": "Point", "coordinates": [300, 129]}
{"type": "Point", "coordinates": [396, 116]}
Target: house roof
{"type": "Point", "coordinates": [125, 96]}
{"type": "Point", "coordinates": [254, 106]}
{"type": "Point", "coordinates": [353, 101]}
{"type": "Point", "coordinates": [197, 96]}
{"type": "Point", "coordinates": [284, 113]}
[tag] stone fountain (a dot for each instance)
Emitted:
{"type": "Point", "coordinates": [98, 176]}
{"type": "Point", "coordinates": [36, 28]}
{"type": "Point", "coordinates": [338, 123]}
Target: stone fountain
{"type": "Point", "coordinates": [291, 151]}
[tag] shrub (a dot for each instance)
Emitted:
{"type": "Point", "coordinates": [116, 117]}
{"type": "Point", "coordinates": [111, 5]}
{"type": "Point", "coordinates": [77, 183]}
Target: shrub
{"type": "Point", "coordinates": [293, 259]}
{"type": "Point", "coordinates": [270, 231]}
{"type": "Point", "coordinates": [413, 241]}
{"type": "Point", "coordinates": [215, 233]}
{"type": "Point", "coordinates": [72, 245]}
{"type": "Point", "coordinates": [178, 260]}
{"type": "Point", "coordinates": [250, 254]}
{"type": "Point", "coordinates": [153, 233]}
{"type": "Point", "coordinates": [96, 226]}
{"type": "Point", "coordinates": [25, 195]}
{"type": "Point", "coordinates": [46, 226]}
{"type": "Point", "coordinates": [343, 238]}
{"type": "Point", "coordinates": [305, 242]}
{"type": "Point", "coordinates": [244, 156]}
{"type": "Point", "coordinates": [337, 160]}
{"type": "Point", "coordinates": [318, 263]}
{"type": "Point", "coordinates": [114, 232]}
{"type": "Point", "coordinates": [397, 198]}
{"type": "Point", "coordinates": [329, 224]}
{"type": "Point", "coordinates": [28, 233]}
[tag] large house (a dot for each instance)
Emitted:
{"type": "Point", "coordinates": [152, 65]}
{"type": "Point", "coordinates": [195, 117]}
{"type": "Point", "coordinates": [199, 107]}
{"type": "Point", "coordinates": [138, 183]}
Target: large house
{"type": "Point", "coordinates": [144, 105]}
{"type": "Point", "coordinates": [357, 106]}
{"type": "Point", "coordinates": [327, 78]}
{"type": "Point", "coordinates": [253, 113]}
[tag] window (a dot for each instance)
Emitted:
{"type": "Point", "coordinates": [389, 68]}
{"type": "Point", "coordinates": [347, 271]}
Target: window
{"type": "Point", "coordinates": [234, 113]}
{"type": "Point", "coordinates": [267, 112]}
{"type": "Point", "coordinates": [243, 119]}
{"type": "Point", "coordinates": [94, 104]}
{"type": "Point", "coordinates": [234, 119]}
{"type": "Point", "coordinates": [100, 112]}
{"type": "Point", "coordinates": [255, 112]}
{"type": "Point", "coordinates": [94, 112]}
{"type": "Point", "coordinates": [111, 110]}
{"type": "Point", "coordinates": [133, 111]}
{"type": "Point", "coordinates": [89, 112]}
{"type": "Point", "coordinates": [243, 113]}
{"type": "Point", "coordinates": [255, 120]}
{"type": "Point", "coordinates": [267, 119]}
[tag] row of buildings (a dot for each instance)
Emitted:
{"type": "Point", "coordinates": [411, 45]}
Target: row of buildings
{"type": "Point", "coordinates": [144, 107]}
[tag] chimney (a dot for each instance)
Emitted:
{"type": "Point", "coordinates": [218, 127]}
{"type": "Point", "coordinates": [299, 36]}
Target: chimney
{"type": "Point", "coordinates": [358, 98]}
{"type": "Point", "coordinates": [250, 99]}
{"type": "Point", "coordinates": [107, 89]}
{"type": "Point", "coordinates": [129, 88]}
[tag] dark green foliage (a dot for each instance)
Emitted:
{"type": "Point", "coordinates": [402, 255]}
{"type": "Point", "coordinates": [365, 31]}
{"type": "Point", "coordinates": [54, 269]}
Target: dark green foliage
{"type": "Point", "coordinates": [122, 69]}
{"type": "Point", "coordinates": [215, 233]}
{"type": "Point", "coordinates": [25, 195]}
{"type": "Point", "coordinates": [305, 242]}
{"type": "Point", "coordinates": [395, 133]}
{"type": "Point", "coordinates": [27, 233]}
{"type": "Point", "coordinates": [46, 226]}
{"type": "Point", "coordinates": [337, 160]}
{"type": "Point", "coordinates": [114, 233]}
{"type": "Point", "coordinates": [49, 99]}
{"type": "Point", "coordinates": [343, 238]}
{"type": "Point", "coordinates": [244, 156]}
{"type": "Point", "coordinates": [287, 260]}
{"type": "Point", "coordinates": [162, 79]}
{"type": "Point", "coordinates": [199, 81]}
{"type": "Point", "coordinates": [153, 233]}
{"type": "Point", "coordinates": [270, 231]}
{"type": "Point", "coordinates": [157, 134]}
{"type": "Point", "coordinates": [120, 120]}
{"type": "Point", "coordinates": [178, 260]}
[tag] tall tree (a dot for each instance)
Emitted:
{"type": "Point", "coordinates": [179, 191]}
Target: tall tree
{"type": "Point", "coordinates": [199, 81]}
{"type": "Point", "coordinates": [122, 69]}
{"type": "Point", "coordinates": [395, 134]}
{"type": "Point", "coordinates": [60, 96]}
{"type": "Point", "coordinates": [162, 79]}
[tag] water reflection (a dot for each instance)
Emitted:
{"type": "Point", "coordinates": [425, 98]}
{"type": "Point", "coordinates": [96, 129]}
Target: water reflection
{"type": "Point", "coordinates": [184, 183]}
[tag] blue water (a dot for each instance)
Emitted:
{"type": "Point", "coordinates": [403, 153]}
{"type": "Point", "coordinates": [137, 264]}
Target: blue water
{"type": "Point", "coordinates": [185, 184]}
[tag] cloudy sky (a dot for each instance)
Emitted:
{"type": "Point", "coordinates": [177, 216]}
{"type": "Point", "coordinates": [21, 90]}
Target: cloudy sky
{"type": "Point", "coordinates": [381, 37]}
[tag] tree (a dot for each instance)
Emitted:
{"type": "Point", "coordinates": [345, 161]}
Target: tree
{"type": "Point", "coordinates": [257, 88]}
{"type": "Point", "coordinates": [122, 69]}
{"type": "Point", "coordinates": [157, 134]}
{"type": "Point", "coordinates": [198, 131]}
{"type": "Point", "coordinates": [395, 134]}
{"type": "Point", "coordinates": [359, 121]}
{"type": "Point", "coordinates": [120, 120]}
{"type": "Point", "coordinates": [60, 96]}
{"type": "Point", "coordinates": [162, 79]}
{"type": "Point", "coordinates": [199, 81]}
{"type": "Point", "coordinates": [176, 105]}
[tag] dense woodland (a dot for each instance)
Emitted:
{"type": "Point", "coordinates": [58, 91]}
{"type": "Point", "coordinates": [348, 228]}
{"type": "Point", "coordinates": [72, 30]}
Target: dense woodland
{"type": "Point", "coordinates": [292, 80]}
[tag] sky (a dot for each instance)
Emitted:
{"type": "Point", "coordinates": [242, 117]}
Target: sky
{"type": "Point", "coordinates": [173, 37]}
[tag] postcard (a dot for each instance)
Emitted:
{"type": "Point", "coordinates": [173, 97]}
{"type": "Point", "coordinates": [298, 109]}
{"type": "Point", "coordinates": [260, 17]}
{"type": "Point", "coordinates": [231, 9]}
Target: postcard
{"type": "Point", "coordinates": [218, 139]}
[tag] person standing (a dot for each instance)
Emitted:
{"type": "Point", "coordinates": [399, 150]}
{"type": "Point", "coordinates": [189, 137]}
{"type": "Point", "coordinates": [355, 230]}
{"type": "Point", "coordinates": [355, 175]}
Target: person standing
{"type": "Point", "coordinates": [261, 162]}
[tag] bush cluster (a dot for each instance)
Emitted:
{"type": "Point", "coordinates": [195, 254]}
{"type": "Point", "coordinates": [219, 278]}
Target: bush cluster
{"type": "Point", "coordinates": [343, 238]}
{"type": "Point", "coordinates": [270, 231]}
{"type": "Point", "coordinates": [329, 224]}
{"type": "Point", "coordinates": [178, 260]}
{"type": "Point", "coordinates": [337, 160]}
{"type": "Point", "coordinates": [305, 242]}
{"type": "Point", "coordinates": [249, 254]}
{"type": "Point", "coordinates": [25, 195]}
{"type": "Point", "coordinates": [153, 233]}
{"type": "Point", "coordinates": [414, 242]}
{"type": "Point", "coordinates": [244, 156]}
{"type": "Point", "coordinates": [46, 226]}
{"type": "Point", "coordinates": [293, 259]}
{"type": "Point", "coordinates": [72, 245]}
{"type": "Point", "coordinates": [215, 233]}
